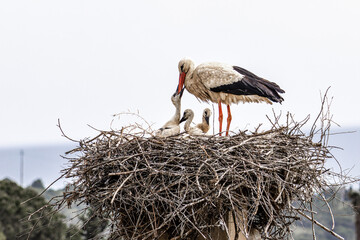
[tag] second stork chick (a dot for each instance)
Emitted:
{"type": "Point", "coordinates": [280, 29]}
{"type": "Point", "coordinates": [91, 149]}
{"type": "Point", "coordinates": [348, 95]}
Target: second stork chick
{"type": "Point", "coordinates": [200, 128]}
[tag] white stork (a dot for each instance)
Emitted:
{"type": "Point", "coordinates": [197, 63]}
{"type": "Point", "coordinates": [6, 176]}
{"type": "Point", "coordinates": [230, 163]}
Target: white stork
{"type": "Point", "coordinates": [200, 128]}
{"type": "Point", "coordinates": [172, 127]}
{"type": "Point", "coordinates": [223, 83]}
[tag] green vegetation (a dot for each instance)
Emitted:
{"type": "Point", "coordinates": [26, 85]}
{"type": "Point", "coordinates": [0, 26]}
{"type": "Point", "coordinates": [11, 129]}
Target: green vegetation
{"type": "Point", "coordinates": [45, 224]}
{"type": "Point", "coordinates": [2, 236]}
{"type": "Point", "coordinates": [14, 215]}
{"type": "Point", "coordinates": [94, 226]}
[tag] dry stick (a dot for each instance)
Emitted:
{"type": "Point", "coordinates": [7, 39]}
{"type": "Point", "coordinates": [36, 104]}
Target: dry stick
{"type": "Point", "coordinates": [320, 225]}
{"type": "Point", "coordinates": [34, 226]}
{"type": "Point", "coordinates": [329, 208]}
{"type": "Point", "coordinates": [312, 222]}
{"type": "Point", "coordinates": [44, 189]}
{"type": "Point", "coordinates": [64, 133]}
{"type": "Point", "coordinates": [133, 114]}
{"type": "Point", "coordinates": [118, 189]}
{"type": "Point", "coordinates": [125, 173]}
{"type": "Point", "coordinates": [196, 228]}
{"type": "Point", "coordinates": [320, 112]}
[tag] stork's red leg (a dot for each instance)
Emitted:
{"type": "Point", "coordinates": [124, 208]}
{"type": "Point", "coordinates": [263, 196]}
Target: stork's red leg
{"type": "Point", "coordinates": [228, 120]}
{"type": "Point", "coordinates": [220, 117]}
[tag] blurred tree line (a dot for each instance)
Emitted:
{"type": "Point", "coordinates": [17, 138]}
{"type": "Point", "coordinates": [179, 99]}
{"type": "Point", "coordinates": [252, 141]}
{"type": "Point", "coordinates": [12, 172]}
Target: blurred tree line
{"type": "Point", "coordinates": [44, 225]}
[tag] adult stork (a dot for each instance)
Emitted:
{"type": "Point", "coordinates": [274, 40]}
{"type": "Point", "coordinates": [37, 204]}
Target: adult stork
{"type": "Point", "coordinates": [223, 83]}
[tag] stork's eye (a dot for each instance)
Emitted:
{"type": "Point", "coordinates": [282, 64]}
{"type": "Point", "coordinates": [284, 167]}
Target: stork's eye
{"type": "Point", "coordinates": [182, 68]}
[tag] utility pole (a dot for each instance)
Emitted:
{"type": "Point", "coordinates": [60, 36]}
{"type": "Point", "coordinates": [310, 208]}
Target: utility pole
{"type": "Point", "coordinates": [21, 167]}
{"type": "Point", "coordinates": [355, 199]}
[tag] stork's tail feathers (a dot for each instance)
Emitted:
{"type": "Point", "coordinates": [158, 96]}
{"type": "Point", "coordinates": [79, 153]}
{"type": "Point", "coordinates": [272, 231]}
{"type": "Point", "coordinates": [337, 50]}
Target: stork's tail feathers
{"type": "Point", "coordinates": [275, 90]}
{"type": "Point", "coordinates": [268, 89]}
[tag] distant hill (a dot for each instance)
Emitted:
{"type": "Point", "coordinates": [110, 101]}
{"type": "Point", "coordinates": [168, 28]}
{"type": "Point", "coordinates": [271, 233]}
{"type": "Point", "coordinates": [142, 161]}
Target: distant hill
{"type": "Point", "coordinates": [349, 140]}
{"type": "Point", "coordinates": [43, 162]}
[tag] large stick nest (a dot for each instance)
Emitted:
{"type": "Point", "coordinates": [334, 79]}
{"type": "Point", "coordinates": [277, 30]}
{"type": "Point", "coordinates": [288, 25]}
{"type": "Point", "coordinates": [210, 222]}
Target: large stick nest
{"type": "Point", "coordinates": [185, 186]}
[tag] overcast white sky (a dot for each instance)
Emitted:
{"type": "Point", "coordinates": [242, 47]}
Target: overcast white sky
{"type": "Point", "coordinates": [82, 61]}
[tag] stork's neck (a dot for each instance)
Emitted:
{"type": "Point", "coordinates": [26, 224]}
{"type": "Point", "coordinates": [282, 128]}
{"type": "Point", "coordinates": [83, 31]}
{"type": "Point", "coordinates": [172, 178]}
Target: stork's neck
{"type": "Point", "coordinates": [188, 122]}
{"type": "Point", "coordinates": [176, 117]}
{"type": "Point", "coordinates": [204, 120]}
{"type": "Point", "coordinates": [204, 126]}
{"type": "Point", "coordinates": [177, 112]}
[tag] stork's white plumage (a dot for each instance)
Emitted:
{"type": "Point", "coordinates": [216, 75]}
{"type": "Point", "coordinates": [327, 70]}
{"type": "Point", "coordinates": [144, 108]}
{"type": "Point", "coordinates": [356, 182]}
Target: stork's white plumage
{"type": "Point", "coordinates": [223, 83]}
{"type": "Point", "coordinates": [172, 127]}
{"type": "Point", "coordinates": [200, 128]}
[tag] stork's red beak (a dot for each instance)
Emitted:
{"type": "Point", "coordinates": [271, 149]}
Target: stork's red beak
{"type": "Point", "coordinates": [176, 92]}
{"type": "Point", "coordinates": [181, 82]}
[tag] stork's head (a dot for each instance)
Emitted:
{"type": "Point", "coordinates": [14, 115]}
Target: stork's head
{"type": "Point", "coordinates": [185, 67]}
{"type": "Point", "coordinates": [207, 114]}
{"type": "Point", "coordinates": [188, 113]}
{"type": "Point", "coordinates": [176, 97]}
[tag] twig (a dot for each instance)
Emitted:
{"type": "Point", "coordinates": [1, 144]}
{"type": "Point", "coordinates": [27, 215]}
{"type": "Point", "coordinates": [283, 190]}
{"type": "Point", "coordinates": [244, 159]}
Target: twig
{"type": "Point", "coordinates": [320, 225]}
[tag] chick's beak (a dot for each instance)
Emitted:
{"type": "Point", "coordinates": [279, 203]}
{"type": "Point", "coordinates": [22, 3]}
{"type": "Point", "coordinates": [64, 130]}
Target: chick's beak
{"type": "Point", "coordinates": [183, 119]}
{"type": "Point", "coordinates": [207, 119]}
{"type": "Point", "coordinates": [178, 93]}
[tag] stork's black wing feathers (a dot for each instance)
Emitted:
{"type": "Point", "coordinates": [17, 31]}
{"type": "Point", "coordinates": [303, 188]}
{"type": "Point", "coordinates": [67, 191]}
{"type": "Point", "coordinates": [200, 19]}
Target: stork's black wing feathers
{"type": "Point", "coordinates": [249, 74]}
{"type": "Point", "coordinates": [251, 84]}
{"type": "Point", "coordinates": [245, 72]}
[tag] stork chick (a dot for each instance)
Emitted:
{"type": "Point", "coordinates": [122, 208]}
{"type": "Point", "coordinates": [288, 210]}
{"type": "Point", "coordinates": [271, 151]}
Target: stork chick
{"type": "Point", "coordinates": [172, 127]}
{"type": "Point", "coordinates": [205, 126]}
{"type": "Point", "coordinates": [200, 128]}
